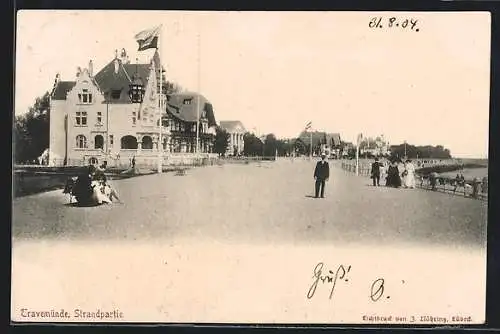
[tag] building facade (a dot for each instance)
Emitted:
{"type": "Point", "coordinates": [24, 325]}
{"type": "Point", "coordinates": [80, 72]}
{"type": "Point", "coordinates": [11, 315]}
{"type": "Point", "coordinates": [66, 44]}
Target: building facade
{"type": "Point", "coordinates": [99, 116]}
{"type": "Point", "coordinates": [322, 142]}
{"type": "Point", "coordinates": [236, 131]}
{"type": "Point", "coordinates": [182, 114]}
{"type": "Point", "coordinates": [375, 147]}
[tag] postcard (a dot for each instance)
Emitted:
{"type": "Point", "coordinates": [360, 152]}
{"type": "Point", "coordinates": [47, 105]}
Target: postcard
{"type": "Point", "coordinates": [250, 167]}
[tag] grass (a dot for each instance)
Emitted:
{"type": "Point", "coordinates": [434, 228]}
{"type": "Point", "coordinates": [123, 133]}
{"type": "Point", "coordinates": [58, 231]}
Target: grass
{"type": "Point", "coordinates": [30, 181]}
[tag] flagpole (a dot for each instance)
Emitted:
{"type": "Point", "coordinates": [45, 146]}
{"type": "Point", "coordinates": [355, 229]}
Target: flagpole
{"type": "Point", "coordinates": [357, 153]}
{"type": "Point", "coordinates": [311, 144]}
{"type": "Point", "coordinates": [198, 101]}
{"type": "Point", "coordinates": [160, 104]}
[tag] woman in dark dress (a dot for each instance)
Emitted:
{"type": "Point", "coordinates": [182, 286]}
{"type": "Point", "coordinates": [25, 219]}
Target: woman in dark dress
{"type": "Point", "coordinates": [83, 187]}
{"type": "Point", "coordinates": [393, 178]}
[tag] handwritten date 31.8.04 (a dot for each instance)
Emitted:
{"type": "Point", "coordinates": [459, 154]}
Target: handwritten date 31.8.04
{"type": "Point", "coordinates": [394, 23]}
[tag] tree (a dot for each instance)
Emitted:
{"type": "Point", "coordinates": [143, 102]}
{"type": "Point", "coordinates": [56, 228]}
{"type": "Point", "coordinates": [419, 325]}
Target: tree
{"type": "Point", "coordinates": [221, 141]}
{"type": "Point", "coordinates": [284, 147]}
{"type": "Point", "coordinates": [300, 147]}
{"type": "Point", "coordinates": [32, 130]}
{"type": "Point", "coordinates": [270, 145]}
{"type": "Point", "coordinates": [427, 151]}
{"type": "Point", "coordinates": [252, 146]}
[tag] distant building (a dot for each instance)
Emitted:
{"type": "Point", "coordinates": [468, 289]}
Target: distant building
{"type": "Point", "coordinates": [236, 131]}
{"type": "Point", "coordinates": [329, 143]}
{"type": "Point", "coordinates": [376, 147]}
{"type": "Point", "coordinates": [97, 117]}
{"type": "Point", "coordinates": [183, 112]}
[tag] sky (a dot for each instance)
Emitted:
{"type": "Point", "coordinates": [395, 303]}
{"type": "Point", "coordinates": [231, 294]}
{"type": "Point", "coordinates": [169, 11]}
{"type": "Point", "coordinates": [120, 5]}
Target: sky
{"type": "Point", "coordinates": [277, 71]}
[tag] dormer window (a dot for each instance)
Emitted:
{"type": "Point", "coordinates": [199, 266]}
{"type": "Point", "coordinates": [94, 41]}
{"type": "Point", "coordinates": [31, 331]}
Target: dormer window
{"type": "Point", "coordinates": [187, 101]}
{"type": "Point", "coordinates": [85, 97]}
{"type": "Point", "coordinates": [136, 90]}
{"type": "Point", "coordinates": [115, 94]}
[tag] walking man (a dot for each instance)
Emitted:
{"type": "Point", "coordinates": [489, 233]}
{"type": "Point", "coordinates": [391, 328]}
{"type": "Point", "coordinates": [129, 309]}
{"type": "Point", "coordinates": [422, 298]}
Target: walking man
{"type": "Point", "coordinates": [375, 173]}
{"type": "Point", "coordinates": [321, 175]}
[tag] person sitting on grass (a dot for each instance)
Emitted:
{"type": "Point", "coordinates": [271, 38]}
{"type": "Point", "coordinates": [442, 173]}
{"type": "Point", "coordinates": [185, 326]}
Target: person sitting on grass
{"type": "Point", "coordinates": [103, 191]}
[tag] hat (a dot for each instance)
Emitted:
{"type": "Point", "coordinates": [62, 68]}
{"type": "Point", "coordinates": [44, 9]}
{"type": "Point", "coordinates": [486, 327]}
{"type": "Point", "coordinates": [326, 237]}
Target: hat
{"type": "Point", "coordinates": [323, 154]}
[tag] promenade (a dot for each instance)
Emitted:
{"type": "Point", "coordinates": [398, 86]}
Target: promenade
{"type": "Point", "coordinates": [239, 243]}
{"type": "Point", "coordinates": [268, 202]}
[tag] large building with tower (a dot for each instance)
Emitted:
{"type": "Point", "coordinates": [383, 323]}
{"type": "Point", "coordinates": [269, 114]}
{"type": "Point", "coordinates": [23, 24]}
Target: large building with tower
{"type": "Point", "coordinates": [114, 114]}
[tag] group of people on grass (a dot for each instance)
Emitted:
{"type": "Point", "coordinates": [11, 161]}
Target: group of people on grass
{"type": "Point", "coordinates": [395, 173]}
{"type": "Point", "coordinates": [93, 187]}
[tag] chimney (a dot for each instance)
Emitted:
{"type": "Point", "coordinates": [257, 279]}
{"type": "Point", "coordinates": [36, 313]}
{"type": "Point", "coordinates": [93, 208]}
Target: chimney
{"type": "Point", "coordinates": [117, 66]}
{"type": "Point", "coordinates": [91, 68]}
{"type": "Point", "coordinates": [124, 56]}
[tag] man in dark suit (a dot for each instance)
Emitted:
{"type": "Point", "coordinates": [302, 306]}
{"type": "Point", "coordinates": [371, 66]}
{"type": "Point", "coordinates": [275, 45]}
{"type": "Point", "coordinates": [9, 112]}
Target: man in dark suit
{"type": "Point", "coordinates": [321, 175]}
{"type": "Point", "coordinates": [375, 173]}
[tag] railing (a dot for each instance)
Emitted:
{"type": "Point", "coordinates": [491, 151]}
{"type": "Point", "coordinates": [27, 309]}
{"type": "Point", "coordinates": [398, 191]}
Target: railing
{"type": "Point", "coordinates": [468, 188]}
{"type": "Point", "coordinates": [245, 159]}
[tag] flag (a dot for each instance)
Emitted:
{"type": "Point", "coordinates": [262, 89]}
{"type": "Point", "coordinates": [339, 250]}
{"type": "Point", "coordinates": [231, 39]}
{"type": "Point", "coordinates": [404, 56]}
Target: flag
{"type": "Point", "coordinates": [308, 126]}
{"type": "Point", "coordinates": [148, 39]}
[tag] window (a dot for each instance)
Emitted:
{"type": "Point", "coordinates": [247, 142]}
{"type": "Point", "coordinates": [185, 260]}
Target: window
{"type": "Point", "coordinates": [98, 142]}
{"type": "Point", "coordinates": [147, 143]}
{"type": "Point", "coordinates": [187, 101]}
{"type": "Point", "coordinates": [129, 142]}
{"type": "Point", "coordinates": [182, 127]}
{"type": "Point", "coordinates": [81, 118]}
{"type": "Point", "coordinates": [85, 96]}
{"type": "Point", "coordinates": [111, 140]}
{"type": "Point", "coordinates": [115, 94]}
{"type": "Point", "coordinates": [81, 141]}
{"type": "Point", "coordinates": [99, 117]}
{"type": "Point", "coordinates": [134, 118]}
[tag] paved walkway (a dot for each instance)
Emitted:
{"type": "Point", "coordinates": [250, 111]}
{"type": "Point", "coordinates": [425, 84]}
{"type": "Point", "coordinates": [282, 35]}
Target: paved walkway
{"type": "Point", "coordinates": [257, 203]}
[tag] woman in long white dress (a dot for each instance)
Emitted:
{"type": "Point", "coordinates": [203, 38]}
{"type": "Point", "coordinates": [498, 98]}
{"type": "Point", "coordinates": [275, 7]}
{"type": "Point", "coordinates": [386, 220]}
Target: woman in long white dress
{"type": "Point", "coordinates": [409, 175]}
{"type": "Point", "coordinates": [98, 193]}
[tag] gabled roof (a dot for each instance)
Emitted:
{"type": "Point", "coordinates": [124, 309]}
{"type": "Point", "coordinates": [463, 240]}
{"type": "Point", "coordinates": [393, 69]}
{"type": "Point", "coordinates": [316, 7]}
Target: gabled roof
{"type": "Point", "coordinates": [108, 80]}
{"type": "Point", "coordinates": [320, 137]}
{"type": "Point", "coordinates": [61, 89]}
{"type": "Point", "coordinates": [333, 138]}
{"type": "Point", "coordinates": [176, 107]}
{"type": "Point", "coordinates": [232, 126]}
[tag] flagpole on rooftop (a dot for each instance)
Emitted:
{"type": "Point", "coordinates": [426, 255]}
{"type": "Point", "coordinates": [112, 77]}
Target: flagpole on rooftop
{"type": "Point", "coordinates": [160, 106]}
